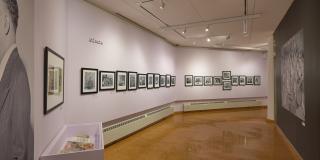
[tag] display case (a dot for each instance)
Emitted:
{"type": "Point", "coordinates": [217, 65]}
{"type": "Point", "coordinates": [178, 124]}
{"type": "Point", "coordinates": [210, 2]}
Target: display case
{"type": "Point", "coordinates": [75, 132]}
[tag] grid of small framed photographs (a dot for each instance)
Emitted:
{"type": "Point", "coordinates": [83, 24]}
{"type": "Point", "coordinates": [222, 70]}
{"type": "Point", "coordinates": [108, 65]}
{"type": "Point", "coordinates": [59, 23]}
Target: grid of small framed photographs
{"type": "Point", "coordinates": [93, 80]}
{"type": "Point", "coordinates": [227, 80]}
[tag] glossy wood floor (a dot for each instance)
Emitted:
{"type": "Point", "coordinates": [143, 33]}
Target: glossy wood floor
{"type": "Point", "coordinates": [236, 134]}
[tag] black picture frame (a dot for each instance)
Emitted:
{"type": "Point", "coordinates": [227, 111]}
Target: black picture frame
{"type": "Point", "coordinates": [208, 83]}
{"type": "Point", "coordinates": [242, 80]}
{"type": "Point", "coordinates": [226, 75]}
{"type": "Point", "coordinates": [168, 80]}
{"type": "Point", "coordinates": [48, 54]}
{"type": "Point", "coordinates": [217, 80]}
{"type": "Point", "coordinates": [249, 80]}
{"type": "Point", "coordinates": [173, 81]}
{"type": "Point", "coordinates": [188, 80]}
{"type": "Point", "coordinates": [102, 88]}
{"type": "Point", "coordinates": [142, 81]}
{"type": "Point", "coordinates": [83, 85]}
{"type": "Point", "coordinates": [156, 81]}
{"type": "Point", "coordinates": [162, 80]}
{"type": "Point", "coordinates": [121, 82]}
{"type": "Point", "coordinates": [257, 80]}
{"type": "Point", "coordinates": [132, 80]}
{"type": "Point", "coordinates": [227, 85]}
{"type": "Point", "coordinates": [150, 77]}
{"type": "Point", "coordinates": [235, 80]}
{"type": "Point", "coordinates": [195, 81]}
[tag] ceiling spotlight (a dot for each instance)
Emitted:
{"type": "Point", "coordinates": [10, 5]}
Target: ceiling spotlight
{"type": "Point", "coordinates": [162, 5]}
{"type": "Point", "coordinates": [207, 29]}
{"type": "Point", "coordinates": [208, 40]}
{"type": "Point", "coordinates": [184, 31]}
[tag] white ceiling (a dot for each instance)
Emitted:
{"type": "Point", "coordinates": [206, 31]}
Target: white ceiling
{"type": "Point", "coordinates": [181, 12]}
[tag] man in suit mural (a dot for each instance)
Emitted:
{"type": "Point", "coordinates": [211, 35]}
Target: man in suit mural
{"type": "Point", "coordinates": [16, 134]}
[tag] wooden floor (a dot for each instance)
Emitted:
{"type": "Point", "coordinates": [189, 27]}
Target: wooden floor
{"type": "Point", "coordinates": [236, 134]}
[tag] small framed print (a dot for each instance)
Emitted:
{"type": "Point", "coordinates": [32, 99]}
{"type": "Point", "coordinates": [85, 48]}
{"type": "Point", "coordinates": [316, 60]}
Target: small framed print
{"type": "Point", "coordinates": [89, 80]}
{"type": "Point", "coordinates": [150, 80]}
{"type": "Point", "coordinates": [142, 81]}
{"type": "Point", "coordinates": [53, 80]}
{"type": "Point", "coordinates": [208, 81]}
{"type": "Point", "coordinates": [242, 80]}
{"type": "Point", "coordinates": [173, 80]}
{"type": "Point", "coordinates": [249, 80]}
{"type": "Point", "coordinates": [226, 75]}
{"type": "Point", "coordinates": [217, 80]}
{"type": "Point", "coordinates": [132, 81]}
{"type": "Point", "coordinates": [121, 84]}
{"type": "Point", "coordinates": [235, 80]}
{"type": "Point", "coordinates": [107, 80]}
{"type": "Point", "coordinates": [168, 79]}
{"type": "Point", "coordinates": [257, 80]}
{"type": "Point", "coordinates": [156, 81]}
{"type": "Point", "coordinates": [198, 81]}
{"type": "Point", "coordinates": [227, 85]}
{"type": "Point", "coordinates": [162, 80]}
{"type": "Point", "coordinates": [188, 80]}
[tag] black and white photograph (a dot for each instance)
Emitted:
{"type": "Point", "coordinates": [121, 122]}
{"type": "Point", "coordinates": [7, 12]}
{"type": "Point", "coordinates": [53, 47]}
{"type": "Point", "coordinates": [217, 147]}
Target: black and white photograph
{"type": "Point", "coordinates": [150, 80]}
{"type": "Point", "coordinates": [249, 80]}
{"type": "Point", "coordinates": [257, 80]}
{"type": "Point", "coordinates": [226, 75]}
{"type": "Point", "coordinates": [227, 85]}
{"type": "Point", "coordinates": [235, 80]}
{"type": "Point", "coordinates": [188, 80]}
{"type": "Point", "coordinates": [162, 80]}
{"type": "Point", "coordinates": [173, 80]}
{"type": "Point", "coordinates": [168, 80]}
{"type": "Point", "coordinates": [107, 80]}
{"type": "Point", "coordinates": [121, 84]}
{"type": "Point", "coordinates": [217, 80]}
{"type": "Point", "coordinates": [54, 78]}
{"type": "Point", "coordinates": [292, 75]}
{"type": "Point", "coordinates": [156, 82]}
{"type": "Point", "coordinates": [198, 81]}
{"type": "Point", "coordinates": [132, 80]}
{"type": "Point", "coordinates": [89, 80]}
{"type": "Point", "coordinates": [208, 81]}
{"type": "Point", "coordinates": [142, 81]}
{"type": "Point", "coordinates": [242, 80]}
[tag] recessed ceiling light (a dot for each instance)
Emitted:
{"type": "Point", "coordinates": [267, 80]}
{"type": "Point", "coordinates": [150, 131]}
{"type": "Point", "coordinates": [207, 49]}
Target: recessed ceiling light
{"type": "Point", "coordinates": [162, 5]}
{"type": "Point", "coordinates": [208, 40]}
{"type": "Point", "coordinates": [184, 31]}
{"type": "Point", "coordinates": [207, 29]}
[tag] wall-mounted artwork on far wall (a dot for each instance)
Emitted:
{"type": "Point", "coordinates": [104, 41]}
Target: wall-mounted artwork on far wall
{"type": "Point", "coordinates": [156, 80]}
{"type": "Point", "coordinates": [257, 80]}
{"type": "Point", "coordinates": [150, 80]}
{"type": "Point", "coordinates": [162, 80]}
{"type": "Point", "coordinates": [89, 80]}
{"type": "Point", "coordinates": [173, 80]}
{"type": "Point", "coordinates": [132, 80]}
{"type": "Point", "coordinates": [121, 84]}
{"type": "Point", "coordinates": [217, 80]}
{"type": "Point", "coordinates": [142, 81]}
{"type": "Point", "coordinates": [292, 75]}
{"type": "Point", "coordinates": [242, 80]}
{"type": "Point", "coordinates": [107, 80]}
{"type": "Point", "coordinates": [227, 85]}
{"type": "Point", "coordinates": [226, 75]}
{"type": "Point", "coordinates": [188, 80]}
{"type": "Point", "coordinates": [249, 80]}
{"type": "Point", "coordinates": [208, 81]}
{"type": "Point", "coordinates": [198, 81]}
{"type": "Point", "coordinates": [168, 80]}
{"type": "Point", "coordinates": [235, 80]}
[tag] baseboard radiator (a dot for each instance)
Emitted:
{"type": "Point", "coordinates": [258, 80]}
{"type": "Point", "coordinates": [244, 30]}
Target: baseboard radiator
{"type": "Point", "coordinates": [122, 129]}
{"type": "Point", "coordinates": [200, 106]}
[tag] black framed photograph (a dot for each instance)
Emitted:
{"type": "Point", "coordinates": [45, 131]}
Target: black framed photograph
{"type": "Point", "coordinates": [257, 80]}
{"type": "Point", "coordinates": [168, 80]}
{"type": "Point", "coordinates": [53, 80]}
{"type": "Point", "coordinates": [162, 80]}
{"type": "Point", "coordinates": [208, 81]}
{"type": "Point", "coordinates": [150, 80]}
{"type": "Point", "coordinates": [132, 81]}
{"type": "Point", "coordinates": [121, 81]}
{"type": "Point", "coordinates": [89, 80]}
{"type": "Point", "coordinates": [249, 80]}
{"type": "Point", "coordinates": [227, 85]}
{"type": "Point", "coordinates": [226, 75]}
{"type": "Point", "coordinates": [188, 80]}
{"type": "Point", "coordinates": [107, 80]}
{"type": "Point", "coordinates": [198, 81]}
{"type": "Point", "coordinates": [142, 81]}
{"type": "Point", "coordinates": [173, 80]}
{"type": "Point", "coordinates": [235, 80]}
{"type": "Point", "coordinates": [156, 81]}
{"type": "Point", "coordinates": [217, 80]}
{"type": "Point", "coordinates": [242, 80]}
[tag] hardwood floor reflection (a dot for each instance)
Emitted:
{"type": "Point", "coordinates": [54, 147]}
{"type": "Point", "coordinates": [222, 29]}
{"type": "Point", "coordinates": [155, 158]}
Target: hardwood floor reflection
{"type": "Point", "coordinates": [235, 134]}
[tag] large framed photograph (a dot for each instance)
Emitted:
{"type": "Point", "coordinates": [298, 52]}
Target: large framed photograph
{"type": "Point", "coordinates": [257, 80]}
{"type": "Point", "coordinates": [53, 80]}
{"type": "Point", "coordinates": [235, 80]}
{"type": "Point", "coordinates": [168, 79]}
{"type": "Point", "coordinates": [162, 80]}
{"type": "Point", "coordinates": [227, 85]}
{"type": "Point", "coordinates": [198, 81]}
{"type": "Point", "coordinates": [208, 81]}
{"type": "Point", "coordinates": [132, 81]}
{"type": "Point", "coordinates": [173, 80]}
{"type": "Point", "coordinates": [217, 81]}
{"type": "Point", "coordinates": [150, 80]}
{"type": "Point", "coordinates": [156, 79]}
{"type": "Point", "coordinates": [142, 81]}
{"type": "Point", "coordinates": [89, 80]}
{"type": "Point", "coordinates": [121, 84]}
{"type": "Point", "coordinates": [242, 80]}
{"type": "Point", "coordinates": [226, 75]}
{"type": "Point", "coordinates": [249, 80]}
{"type": "Point", "coordinates": [188, 80]}
{"type": "Point", "coordinates": [107, 80]}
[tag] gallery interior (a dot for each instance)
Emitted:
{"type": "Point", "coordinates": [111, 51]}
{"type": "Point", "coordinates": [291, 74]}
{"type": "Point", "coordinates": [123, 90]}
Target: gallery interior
{"type": "Point", "coordinates": [159, 79]}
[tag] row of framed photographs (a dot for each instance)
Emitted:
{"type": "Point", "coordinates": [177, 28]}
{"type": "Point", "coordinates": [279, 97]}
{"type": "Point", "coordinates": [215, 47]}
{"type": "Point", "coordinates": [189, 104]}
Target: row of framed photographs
{"type": "Point", "coordinates": [92, 79]}
{"type": "Point", "coordinates": [191, 80]}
